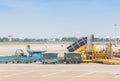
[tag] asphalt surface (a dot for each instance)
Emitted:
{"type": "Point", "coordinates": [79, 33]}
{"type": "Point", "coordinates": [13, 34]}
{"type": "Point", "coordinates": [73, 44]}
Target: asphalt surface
{"type": "Point", "coordinates": [59, 72]}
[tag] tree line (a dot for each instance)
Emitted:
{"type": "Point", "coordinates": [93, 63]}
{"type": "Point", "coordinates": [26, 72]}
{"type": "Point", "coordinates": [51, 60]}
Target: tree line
{"type": "Point", "coordinates": [64, 39]}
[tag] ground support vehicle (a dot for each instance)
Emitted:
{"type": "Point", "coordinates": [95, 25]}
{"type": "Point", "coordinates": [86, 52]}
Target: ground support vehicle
{"type": "Point", "coordinates": [41, 56]}
{"type": "Point", "coordinates": [72, 58]}
{"type": "Point", "coordinates": [7, 59]}
{"type": "Point", "coordinates": [48, 57]}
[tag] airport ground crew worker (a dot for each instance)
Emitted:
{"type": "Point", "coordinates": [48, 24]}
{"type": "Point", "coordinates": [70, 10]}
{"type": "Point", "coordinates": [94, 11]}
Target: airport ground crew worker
{"type": "Point", "coordinates": [29, 50]}
{"type": "Point", "coordinates": [93, 47]}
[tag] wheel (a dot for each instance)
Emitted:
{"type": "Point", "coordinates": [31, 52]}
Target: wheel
{"type": "Point", "coordinates": [26, 62]}
{"type": "Point", "coordinates": [78, 62]}
{"type": "Point", "coordinates": [13, 62]}
{"type": "Point", "coordinates": [67, 62]}
{"type": "Point", "coordinates": [18, 62]}
{"type": "Point", "coordinates": [54, 62]}
{"type": "Point", "coordinates": [6, 62]}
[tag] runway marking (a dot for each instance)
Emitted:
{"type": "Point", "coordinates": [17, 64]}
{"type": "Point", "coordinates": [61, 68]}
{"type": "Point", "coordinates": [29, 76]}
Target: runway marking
{"type": "Point", "coordinates": [85, 74]}
{"type": "Point", "coordinates": [28, 70]}
{"type": "Point", "coordinates": [18, 73]}
{"type": "Point", "coordinates": [53, 73]}
{"type": "Point", "coordinates": [117, 76]}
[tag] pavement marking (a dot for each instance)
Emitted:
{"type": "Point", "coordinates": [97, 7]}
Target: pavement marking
{"type": "Point", "coordinates": [53, 73]}
{"type": "Point", "coordinates": [29, 70]}
{"type": "Point", "coordinates": [85, 74]}
{"type": "Point", "coordinates": [117, 76]}
{"type": "Point", "coordinates": [20, 73]}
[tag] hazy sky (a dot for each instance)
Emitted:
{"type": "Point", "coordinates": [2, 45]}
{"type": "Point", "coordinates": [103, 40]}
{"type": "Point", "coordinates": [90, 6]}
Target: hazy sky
{"type": "Point", "coordinates": [59, 18]}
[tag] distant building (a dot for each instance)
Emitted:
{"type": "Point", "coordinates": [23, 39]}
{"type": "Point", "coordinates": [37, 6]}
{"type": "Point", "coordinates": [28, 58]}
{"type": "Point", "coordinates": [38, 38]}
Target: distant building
{"type": "Point", "coordinates": [51, 40]}
{"type": "Point", "coordinates": [10, 38]}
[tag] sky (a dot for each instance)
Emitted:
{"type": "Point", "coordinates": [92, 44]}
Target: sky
{"type": "Point", "coordinates": [59, 18]}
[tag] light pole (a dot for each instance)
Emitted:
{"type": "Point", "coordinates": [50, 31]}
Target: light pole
{"type": "Point", "coordinates": [115, 25]}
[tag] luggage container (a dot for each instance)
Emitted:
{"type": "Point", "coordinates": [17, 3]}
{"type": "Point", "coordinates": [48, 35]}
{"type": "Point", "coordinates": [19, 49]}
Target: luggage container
{"type": "Point", "coordinates": [48, 57]}
{"type": "Point", "coordinates": [7, 59]}
{"type": "Point", "coordinates": [37, 55]}
{"type": "Point", "coordinates": [72, 58]}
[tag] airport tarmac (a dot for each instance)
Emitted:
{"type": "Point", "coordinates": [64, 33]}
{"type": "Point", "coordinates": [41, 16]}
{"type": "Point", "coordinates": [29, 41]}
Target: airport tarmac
{"type": "Point", "coordinates": [59, 72]}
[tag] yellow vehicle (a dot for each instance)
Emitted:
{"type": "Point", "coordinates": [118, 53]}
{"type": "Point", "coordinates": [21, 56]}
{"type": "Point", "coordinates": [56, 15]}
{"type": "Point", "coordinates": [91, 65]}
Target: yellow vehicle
{"type": "Point", "coordinates": [89, 52]}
